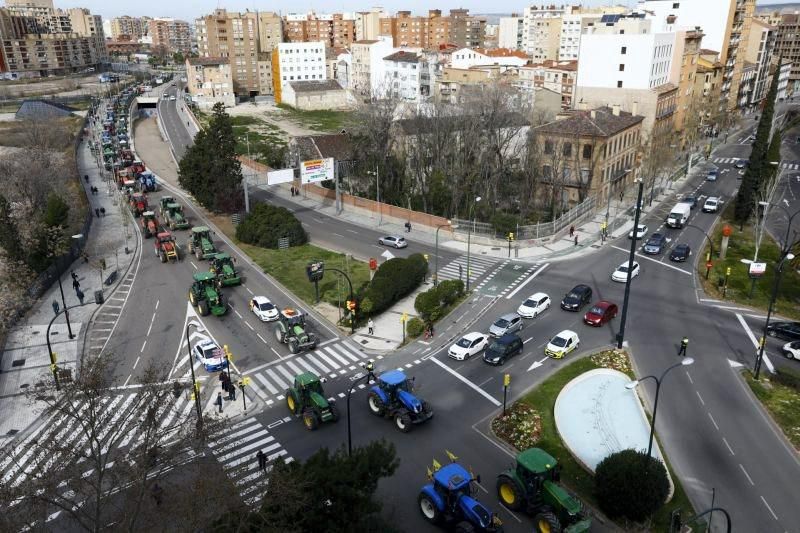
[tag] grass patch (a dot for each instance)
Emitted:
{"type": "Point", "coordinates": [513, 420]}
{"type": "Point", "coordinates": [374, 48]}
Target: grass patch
{"type": "Point", "coordinates": [741, 245]}
{"type": "Point", "coordinates": [782, 402]}
{"type": "Point", "coordinates": [323, 120]}
{"type": "Point", "coordinates": [543, 398]}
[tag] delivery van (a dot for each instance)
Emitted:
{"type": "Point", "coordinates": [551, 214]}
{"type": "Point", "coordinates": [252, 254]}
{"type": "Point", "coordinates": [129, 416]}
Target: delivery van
{"type": "Point", "coordinates": [679, 215]}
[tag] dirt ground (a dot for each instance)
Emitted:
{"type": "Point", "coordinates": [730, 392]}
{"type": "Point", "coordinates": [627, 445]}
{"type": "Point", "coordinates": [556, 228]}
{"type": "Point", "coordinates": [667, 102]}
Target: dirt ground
{"type": "Point", "coordinates": [273, 115]}
{"type": "Point", "coordinates": [72, 86]}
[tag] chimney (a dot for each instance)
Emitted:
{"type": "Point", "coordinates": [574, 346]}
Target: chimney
{"type": "Point", "coordinates": [615, 110]}
{"type": "Point", "coordinates": [635, 108]}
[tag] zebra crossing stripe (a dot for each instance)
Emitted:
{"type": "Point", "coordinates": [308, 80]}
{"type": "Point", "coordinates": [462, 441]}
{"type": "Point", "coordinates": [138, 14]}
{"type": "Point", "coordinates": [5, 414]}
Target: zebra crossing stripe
{"type": "Point", "coordinates": [342, 348]}
{"type": "Point", "coordinates": [229, 446]}
{"type": "Point", "coordinates": [338, 357]}
{"type": "Point", "coordinates": [316, 362]}
{"type": "Point", "coordinates": [286, 373]}
{"type": "Point", "coordinates": [257, 390]}
{"type": "Point", "coordinates": [334, 366]}
{"type": "Point", "coordinates": [239, 429]}
{"type": "Point", "coordinates": [259, 445]}
{"type": "Point", "coordinates": [305, 365]}
{"type": "Point", "coordinates": [296, 369]}
{"type": "Point", "coordinates": [278, 380]}
{"type": "Point", "coordinates": [266, 383]}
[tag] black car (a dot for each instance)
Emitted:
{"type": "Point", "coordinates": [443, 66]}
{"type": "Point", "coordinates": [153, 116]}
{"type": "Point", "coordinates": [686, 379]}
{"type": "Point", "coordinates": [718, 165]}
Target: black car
{"type": "Point", "coordinates": [502, 349]}
{"type": "Point", "coordinates": [789, 331]}
{"type": "Point", "coordinates": [691, 200]}
{"type": "Point", "coordinates": [655, 244]}
{"type": "Point", "coordinates": [579, 296]}
{"type": "Point", "coordinates": [680, 253]}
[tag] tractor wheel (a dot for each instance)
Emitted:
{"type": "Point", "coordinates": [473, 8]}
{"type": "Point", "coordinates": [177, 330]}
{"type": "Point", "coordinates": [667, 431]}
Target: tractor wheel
{"type": "Point", "coordinates": [426, 407]}
{"type": "Point", "coordinates": [429, 509]}
{"type": "Point", "coordinates": [294, 346]}
{"type": "Point", "coordinates": [203, 308]}
{"type": "Point", "coordinates": [546, 522]}
{"type": "Point", "coordinates": [162, 256]}
{"type": "Point", "coordinates": [279, 334]}
{"type": "Point", "coordinates": [191, 299]}
{"type": "Point", "coordinates": [376, 405]}
{"type": "Point", "coordinates": [403, 421]}
{"type": "Point", "coordinates": [292, 403]}
{"type": "Point", "coordinates": [334, 413]}
{"type": "Point", "coordinates": [311, 419]}
{"type": "Point", "coordinates": [198, 254]}
{"type": "Point", "coordinates": [464, 527]}
{"type": "Point", "coordinates": [509, 493]}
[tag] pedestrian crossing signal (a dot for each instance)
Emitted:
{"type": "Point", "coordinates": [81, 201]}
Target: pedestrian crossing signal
{"type": "Point", "coordinates": [510, 237]}
{"type": "Point", "coordinates": [351, 305]}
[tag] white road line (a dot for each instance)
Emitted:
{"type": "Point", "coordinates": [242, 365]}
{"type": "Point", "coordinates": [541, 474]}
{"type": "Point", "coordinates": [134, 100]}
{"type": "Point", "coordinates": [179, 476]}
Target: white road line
{"type": "Point", "coordinates": [136, 362]}
{"type": "Point", "coordinates": [656, 261]}
{"type": "Point", "coordinates": [746, 474]}
{"type": "Point", "coordinates": [157, 302]}
{"type": "Point", "coordinates": [248, 290]}
{"type": "Point", "coordinates": [690, 378]}
{"type": "Point", "coordinates": [728, 445]}
{"type": "Point", "coordinates": [521, 285]}
{"type": "Point", "coordinates": [126, 381]}
{"type": "Point", "coordinates": [249, 326]}
{"type": "Point", "coordinates": [143, 345]}
{"type": "Point", "coordinates": [192, 263]}
{"type": "Point", "coordinates": [276, 352]}
{"type": "Point", "coordinates": [470, 384]}
{"type": "Point", "coordinates": [237, 314]}
{"type": "Point", "coordinates": [700, 397]}
{"type": "Point", "coordinates": [262, 338]}
{"type": "Point", "coordinates": [713, 421]}
{"type": "Point", "coordinates": [320, 345]}
{"type": "Point", "coordinates": [266, 383]}
{"type": "Point", "coordinates": [769, 508]}
{"type": "Point", "coordinates": [753, 339]}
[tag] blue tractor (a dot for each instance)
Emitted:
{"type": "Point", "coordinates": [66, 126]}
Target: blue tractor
{"type": "Point", "coordinates": [147, 182]}
{"type": "Point", "coordinates": [391, 397]}
{"type": "Point", "coordinates": [447, 500]}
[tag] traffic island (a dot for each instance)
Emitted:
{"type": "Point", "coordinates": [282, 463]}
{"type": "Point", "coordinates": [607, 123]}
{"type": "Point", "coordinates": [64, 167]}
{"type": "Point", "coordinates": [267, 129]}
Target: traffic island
{"type": "Point", "coordinates": [531, 421]}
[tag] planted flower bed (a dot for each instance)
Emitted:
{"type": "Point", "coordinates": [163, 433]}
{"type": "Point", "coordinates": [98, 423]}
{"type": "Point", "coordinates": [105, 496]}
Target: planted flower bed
{"type": "Point", "coordinates": [521, 426]}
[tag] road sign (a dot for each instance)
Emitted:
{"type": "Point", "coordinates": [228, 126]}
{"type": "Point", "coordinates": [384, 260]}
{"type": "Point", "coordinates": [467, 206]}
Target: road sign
{"type": "Point", "coordinates": [316, 170]}
{"type": "Point", "coordinates": [757, 269]}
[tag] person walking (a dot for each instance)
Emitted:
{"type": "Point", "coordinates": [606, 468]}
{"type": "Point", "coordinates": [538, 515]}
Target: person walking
{"type": "Point", "coordinates": [97, 212]}
{"type": "Point", "coordinates": [218, 401]}
{"type": "Point", "coordinates": [576, 240]}
{"type": "Point", "coordinates": [408, 227]}
{"type": "Point", "coordinates": [370, 326]}
{"type": "Point", "coordinates": [74, 276]}
{"type": "Point", "coordinates": [103, 211]}
{"type": "Point", "coordinates": [157, 494]}
{"type": "Point", "coordinates": [261, 459]}
{"type": "Point", "coordinates": [684, 345]}
{"type": "Point", "coordinates": [231, 391]}
{"type": "Point", "coordinates": [76, 284]}
{"type": "Point", "coordinates": [571, 231]}
{"type": "Point", "coordinates": [80, 295]}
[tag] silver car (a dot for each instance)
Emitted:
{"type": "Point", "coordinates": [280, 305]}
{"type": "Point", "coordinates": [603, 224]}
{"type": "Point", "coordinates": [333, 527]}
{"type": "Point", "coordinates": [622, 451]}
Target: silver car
{"type": "Point", "coordinates": [508, 323]}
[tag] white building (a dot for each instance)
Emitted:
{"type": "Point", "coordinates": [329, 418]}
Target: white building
{"type": "Point", "coordinates": [297, 62]}
{"type": "Point", "coordinates": [367, 73]}
{"type": "Point", "coordinates": [407, 76]}
{"type": "Point", "coordinates": [783, 79]}
{"type": "Point", "coordinates": [510, 33]}
{"type": "Point", "coordinates": [471, 57]}
{"type": "Point", "coordinates": [541, 29]}
{"type": "Point", "coordinates": [209, 81]}
{"type": "Point", "coordinates": [760, 48]}
{"type": "Point", "coordinates": [710, 15]}
{"type": "Point", "coordinates": [573, 25]}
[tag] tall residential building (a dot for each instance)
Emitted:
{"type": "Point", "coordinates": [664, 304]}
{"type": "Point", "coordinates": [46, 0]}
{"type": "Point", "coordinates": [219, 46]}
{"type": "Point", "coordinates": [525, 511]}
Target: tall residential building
{"type": "Point", "coordinates": [368, 23]}
{"type": "Point", "coordinates": [297, 62]}
{"type": "Point", "coordinates": [759, 51]}
{"type": "Point", "coordinates": [687, 54]}
{"type": "Point", "coordinates": [270, 30]}
{"type": "Point", "coordinates": [573, 25]}
{"type": "Point", "coordinates": [334, 30]}
{"type": "Point", "coordinates": [510, 32]}
{"type": "Point", "coordinates": [232, 36]}
{"type": "Point", "coordinates": [173, 35]}
{"type": "Point", "coordinates": [434, 31]}
{"type": "Point", "coordinates": [135, 27]}
{"type": "Point", "coordinates": [541, 30]}
{"type": "Point", "coordinates": [556, 76]}
{"type": "Point", "coordinates": [787, 46]}
{"type": "Point", "coordinates": [209, 81]}
{"type": "Point", "coordinates": [367, 75]}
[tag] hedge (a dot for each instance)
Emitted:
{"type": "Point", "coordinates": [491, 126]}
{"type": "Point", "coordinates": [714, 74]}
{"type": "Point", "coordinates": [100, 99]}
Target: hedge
{"type": "Point", "coordinates": [415, 327]}
{"type": "Point", "coordinates": [266, 224]}
{"type": "Point", "coordinates": [394, 279]}
{"type": "Point", "coordinates": [434, 303]}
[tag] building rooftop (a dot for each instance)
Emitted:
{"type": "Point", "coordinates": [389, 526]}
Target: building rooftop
{"type": "Point", "coordinates": [570, 66]}
{"type": "Point", "coordinates": [403, 57]}
{"type": "Point", "coordinates": [313, 86]}
{"type": "Point", "coordinates": [600, 122]}
{"type": "Point", "coordinates": [501, 52]}
{"type": "Point", "coordinates": [205, 61]}
{"type": "Point", "coordinates": [337, 145]}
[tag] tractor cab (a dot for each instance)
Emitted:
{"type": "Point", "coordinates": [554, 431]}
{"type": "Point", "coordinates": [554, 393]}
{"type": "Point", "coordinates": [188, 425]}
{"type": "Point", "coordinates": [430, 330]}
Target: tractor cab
{"type": "Point", "coordinates": [308, 385]}
{"type": "Point", "coordinates": [452, 481]}
{"type": "Point", "coordinates": [394, 381]}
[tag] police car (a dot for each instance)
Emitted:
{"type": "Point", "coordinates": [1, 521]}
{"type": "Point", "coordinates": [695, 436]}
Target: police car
{"type": "Point", "coordinates": [210, 356]}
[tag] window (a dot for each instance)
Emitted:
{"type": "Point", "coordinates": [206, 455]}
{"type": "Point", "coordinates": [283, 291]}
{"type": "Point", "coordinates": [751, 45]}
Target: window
{"type": "Point", "coordinates": [676, 5]}
{"type": "Point", "coordinates": [566, 150]}
{"type": "Point", "coordinates": [548, 147]}
{"type": "Point", "coordinates": [587, 151]}
{"type": "Point", "coordinates": [547, 172]}
{"type": "Point", "coordinates": [623, 50]}
{"type": "Point", "coordinates": [619, 84]}
{"type": "Point", "coordinates": [622, 67]}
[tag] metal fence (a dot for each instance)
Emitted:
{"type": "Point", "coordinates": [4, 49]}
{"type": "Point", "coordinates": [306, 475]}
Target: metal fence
{"type": "Point", "coordinates": [576, 215]}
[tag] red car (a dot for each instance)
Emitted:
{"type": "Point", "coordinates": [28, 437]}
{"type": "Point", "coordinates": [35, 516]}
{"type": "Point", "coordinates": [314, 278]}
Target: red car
{"type": "Point", "coordinates": [600, 313]}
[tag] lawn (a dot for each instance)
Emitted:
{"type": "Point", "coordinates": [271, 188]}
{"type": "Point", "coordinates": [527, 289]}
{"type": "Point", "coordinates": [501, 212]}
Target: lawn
{"type": "Point", "coordinates": [573, 475]}
{"type": "Point", "coordinates": [783, 403]}
{"type": "Point", "coordinates": [742, 246]}
{"type": "Point", "coordinates": [322, 120]}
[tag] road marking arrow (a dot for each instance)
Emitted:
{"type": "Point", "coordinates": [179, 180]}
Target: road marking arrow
{"type": "Point", "coordinates": [735, 364]}
{"type": "Point", "coordinates": [539, 363]}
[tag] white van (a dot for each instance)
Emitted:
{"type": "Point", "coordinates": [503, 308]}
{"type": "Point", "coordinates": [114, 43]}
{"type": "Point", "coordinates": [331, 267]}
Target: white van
{"type": "Point", "coordinates": [679, 215]}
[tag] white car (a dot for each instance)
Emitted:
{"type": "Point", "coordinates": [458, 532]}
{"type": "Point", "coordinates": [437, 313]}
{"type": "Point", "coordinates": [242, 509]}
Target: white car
{"type": "Point", "coordinates": [641, 231]}
{"type": "Point", "coordinates": [393, 240]}
{"type": "Point", "coordinates": [711, 205]}
{"type": "Point", "coordinates": [792, 350]}
{"type": "Point", "coordinates": [534, 305]}
{"type": "Point", "coordinates": [210, 356]}
{"type": "Point", "coordinates": [621, 273]}
{"type": "Point", "coordinates": [468, 345]}
{"type": "Point", "coordinates": [562, 344]}
{"type": "Point", "coordinates": [263, 309]}
{"type": "Point", "coordinates": [172, 98]}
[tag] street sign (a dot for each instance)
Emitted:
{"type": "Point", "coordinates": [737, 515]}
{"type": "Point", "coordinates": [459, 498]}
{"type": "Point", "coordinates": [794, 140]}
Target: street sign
{"type": "Point", "coordinates": [757, 269]}
{"type": "Point", "coordinates": [316, 170]}
{"type": "Point", "coordinates": [315, 270]}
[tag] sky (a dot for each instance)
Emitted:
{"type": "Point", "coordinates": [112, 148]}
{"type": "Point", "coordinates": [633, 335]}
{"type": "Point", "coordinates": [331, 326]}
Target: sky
{"type": "Point", "coordinates": [190, 9]}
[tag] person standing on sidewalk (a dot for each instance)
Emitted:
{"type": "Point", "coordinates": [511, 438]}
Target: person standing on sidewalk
{"type": "Point", "coordinates": [576, 240]}
{"type": "Point", "coordinates": [231, 391]}
{"type": "Point", "coordinates": [218, 401]}
{"type": "Point", "coordinates": [370, 326]}
{"type": "Point", "coordinates": [571, 231]}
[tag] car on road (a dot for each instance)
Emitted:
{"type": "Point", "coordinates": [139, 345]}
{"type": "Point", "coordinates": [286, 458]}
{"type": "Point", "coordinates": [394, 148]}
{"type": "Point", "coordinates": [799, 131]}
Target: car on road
{"type": "Point", "coordinates": [641, 231]}
{"type": "Point", "coordinates": [263, 309]}
{"type": "Point", "coordinates": [741, 163]}
{"type": "Point", "coordinates": [655, 244]}
{"type": "Point", "coordinates": [579, 296]}
{"type": "Point", "coordinates": [680, 253]}
{"type": "Point", "coordinates": [508, 323]}
{"type": "Point", "coordinates": [711, 204]}
{"type": "Point", "coordinates": [468, 345]}
{"type": "Point", "coordinates": [211, 356]}
{"type": "Point", "coordinates": [562, 344]}
{"type": "Point", "coordinates": [712, 175]}
{"type": "Point", "coordinates": [789, 331]}
{"type": "Point", "coordinates": [534, 305]}
{"type": "Point", "coordinates": [172, 98]}
{"type": "Point", "coordinates": [502, 349]}
{"type": "Point", "coordinates": [792, 350]}
{"type": "Point", "coordinates": [621, 273]}
{"type": "Point", "coordinates": [393, 240]}
{"type": "Point", "coordinates": [691, 200]}
{"type": "Point", "coordinates": [600, 313]}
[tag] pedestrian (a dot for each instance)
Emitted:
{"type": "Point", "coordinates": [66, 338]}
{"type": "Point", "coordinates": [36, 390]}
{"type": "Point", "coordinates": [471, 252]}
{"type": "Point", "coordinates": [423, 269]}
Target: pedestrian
{"type": "Point", "coordinates": [74, 275]}
{"type": "Point", "coordinates": [86, 177]}
{"type": "Point", "coordinates": [408, 227]}
{"type": "Point", "coordinates": [576, 240]}
{"type": "Point", "coordinates": [571, 231]}
{"type": "Point", "coordinates": [262, 460]}
{"type": "Point", "coordinates": [76, 284]}
{"type": "Point", "coordinates": [684, 345]}
{"type": "Point", "coordinates": [218, 401]}
{"type": "Point", "coordinates": [103, 211]}
{"type": "Point", "coordinates": [231, 392]}
{"type": "Point", "coordinates": [157, 494]}
{"type": "Point", "coordinates": [371, 326]}
{"type": "Point", "coordinates": [80, 295]}
{"type": "Point", "coordinates": [97, 212]}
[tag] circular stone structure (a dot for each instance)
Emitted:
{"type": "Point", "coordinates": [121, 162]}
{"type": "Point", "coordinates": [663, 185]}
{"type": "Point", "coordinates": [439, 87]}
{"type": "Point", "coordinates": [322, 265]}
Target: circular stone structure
{"type": "Point", "coordinates": [597, 416]}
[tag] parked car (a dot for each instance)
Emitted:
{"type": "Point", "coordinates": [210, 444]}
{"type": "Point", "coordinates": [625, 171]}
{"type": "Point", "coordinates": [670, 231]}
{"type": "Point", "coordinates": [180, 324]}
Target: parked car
{"type": "Point", "coordinates": [562, 344]}
{"type": "Point", "coordinates": [534, 305]}
{"type": "Point", "coordinates": [507, 323]}
{"type": "Point", "coordinates": [579, 296]}
{"type": "Point", "coordinates": [393, 240]}
{"type": "Point", "coordinates": [502, 349]}
{"type": "Point", "coordinates": [792, 350]}
{"type": "Point", "coordinates": [680, 253]}
{"type": "Point", "coordinates": [621, 273]}
{"type": "Point", "coordinates": [263, 309]}
{"type": "Point", "coordinates": [600, 313]}
{"type": "Point", "coordinates": [655, 244]}
{"type": "Point", "coordinates": [468, 345]}
{"type": "Point", "coordinates": [741, 163]}
{"type": "Point", "coordinates": [789, 331]}
{"type": "Point", "coordinates": [641, 231]}
{"type": "Point", "coordinates": [712, 175]}
{"type": "Point", "coordinates": [210, 356]}
{"type": "Point", "coordinates": [691, 200]}
{"type": "Point", "coordinates": [711, 204]}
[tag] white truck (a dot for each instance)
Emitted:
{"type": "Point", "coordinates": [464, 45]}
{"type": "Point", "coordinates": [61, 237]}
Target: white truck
{"type": "Point", "coordinates": [679, 215]}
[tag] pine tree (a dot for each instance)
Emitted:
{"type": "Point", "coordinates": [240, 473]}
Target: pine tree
{"type": "Point", "coordinates": [210, 169]}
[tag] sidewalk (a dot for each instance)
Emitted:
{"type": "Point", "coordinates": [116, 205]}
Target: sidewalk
{"type": "Point", "coordinates": [25, 361]}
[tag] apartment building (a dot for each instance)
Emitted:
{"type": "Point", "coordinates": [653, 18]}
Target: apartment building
{"type": "Point", "coordinates": [407, 76]}
{"type": "Point", "coordinates": [368, 24]}
{"type": "Point", "coordinates": [335, 30]}
{"type": "Point", "coordinates": [687, 54]}
{"type": "Point", "coordinates": [134, 27]}
{"type": "Point", "coordinates": [504, 57]}
{"type": "Point", "coordinates": [209, 81]}
{"type": "Point", "coordinates": [573, 25]}
{"type": "Point", "coordinates": [232, 36]}
{"type": "Point", "coordinates": [434, 31]}
{"type": "Point", "coordinates": [170, 34]}
{"type": "Point", "coordinates": [367, 75]}
{"type": "Point", "coordinates": [556, 76]}
{"type": "Point", "coordinates": [541, 30]}
{"type": "Point", "coordinates": [760, 52]}
{"type": "Point", "coordinates": [510, 32]}
{"type": "Point", "coordinates": [787, 46]}
{"type": "Point", "coordinates": [270, 31]}
{"type": "Point", "coordinates": [297, 62]}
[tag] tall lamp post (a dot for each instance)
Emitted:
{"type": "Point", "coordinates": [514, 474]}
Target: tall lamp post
{"type": "Point", "coordinates": [369, 366]}
{"type": "Point", "coordinates": [621, 334]}
{"type": "Point", "coordinates": [470, 228]}
{"type": "Point", "coordinates": [377, 192]}
{"type": "Point", "coordinates": [440, 226]}
{"type": "Point", "coordinates": [195, 388]}
{"type": "Point", "coordinates": [608, 205]}
{"type": "Point", "coordinates": [686, 361]}
{"type": "Point", "coordinates": [710, 246]}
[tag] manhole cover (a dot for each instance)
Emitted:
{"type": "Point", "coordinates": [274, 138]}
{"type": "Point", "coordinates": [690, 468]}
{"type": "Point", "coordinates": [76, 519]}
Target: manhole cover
{"type": "Point", "coordinates": [17, 362]}
{"type": "Point", "coordinates": [364, 341]}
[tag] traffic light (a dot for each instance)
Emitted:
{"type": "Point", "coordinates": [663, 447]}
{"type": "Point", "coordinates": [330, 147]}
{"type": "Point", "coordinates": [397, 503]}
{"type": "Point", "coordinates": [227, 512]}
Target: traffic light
{"type": "Point", "coordinates": [351, 305]}
{"type": "Point", "coordinates": [510, 237]}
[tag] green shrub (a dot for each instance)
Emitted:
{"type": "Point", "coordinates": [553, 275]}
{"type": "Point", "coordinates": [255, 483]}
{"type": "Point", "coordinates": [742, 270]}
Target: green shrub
{"type": "Point", "coordinates": [427, 305]}
{"type": "Point", "coordinates": [504, 223]}
{"type": "Point", "coordinates": [57, 211]}
{"type": "Point", "coordinates": [415, 327]}
{"type": "Point", "coordinates": [624, 490]}
{"type": "Point", "coordinates": [395, 279]}
{"type": "Point", "coordinates": [450, 291]}
{"type": "Point", "coordinates": [266, 224]}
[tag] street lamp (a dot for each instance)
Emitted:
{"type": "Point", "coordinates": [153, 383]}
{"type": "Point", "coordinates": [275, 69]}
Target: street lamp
{"type": "Point", "coordinates": [621, 334]}
{"type": "Point", "coordinates": [451, 226]}
{"type": "Point", "coordinates": [686, 361]}
{"type": "Point", "coordinates": [608, 205]}
{"type": "Point", "coordinates": [470, 229]}
{"type": "Point", "coordinates": [710, 246]}
{"type": "Point", "coordinates": [377, 192]}
{"type": "Point", "coordinates": [369, 366]}
{"type": "Point", "coordinates": [195, 388]}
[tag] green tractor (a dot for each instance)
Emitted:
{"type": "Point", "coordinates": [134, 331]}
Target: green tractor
{"type": "Point", "coordinates": [200, 243]}
{"type": "Point", "coordinates": [291, 330]}
{"type": "Point", "coordinates": [222, 267]}
{"type": "Point", "coordinates": [307, 398]}
{"type": "Point", "coordinates": [172, 213]}
{"type": "Point", "coordinates": [205, 296]}
{"type": "Point", "coordinates": [532, 486]}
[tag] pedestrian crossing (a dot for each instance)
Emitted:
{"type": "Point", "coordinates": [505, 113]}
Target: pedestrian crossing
{"type": "Point", "coordinates": [457, 269]}
{"type": "Point", "coordinates": [786, 165]}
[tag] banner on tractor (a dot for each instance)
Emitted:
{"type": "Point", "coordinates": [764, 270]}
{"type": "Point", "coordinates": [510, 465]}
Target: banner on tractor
{"type": "Point", "coordinates": [285, 175]}
{"type": "Point", "coordinates": [316, 170]}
